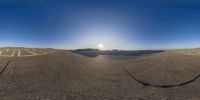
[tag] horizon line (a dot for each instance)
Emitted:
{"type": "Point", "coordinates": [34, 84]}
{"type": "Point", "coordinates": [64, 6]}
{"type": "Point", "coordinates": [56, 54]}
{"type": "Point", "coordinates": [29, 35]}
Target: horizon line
{"type": "Point", "coordinates": [95, 48]}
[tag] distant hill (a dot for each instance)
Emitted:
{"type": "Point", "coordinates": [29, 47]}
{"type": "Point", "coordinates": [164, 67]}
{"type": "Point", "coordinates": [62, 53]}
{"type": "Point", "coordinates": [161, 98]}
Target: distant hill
{"type": "Point", "coordinates": [95, 52]}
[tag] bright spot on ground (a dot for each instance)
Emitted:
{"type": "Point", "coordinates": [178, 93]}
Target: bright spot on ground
{"type": "Point", "coordinates": [100, 46]}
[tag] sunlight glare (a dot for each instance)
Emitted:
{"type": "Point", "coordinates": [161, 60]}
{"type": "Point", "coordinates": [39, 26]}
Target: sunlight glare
{"type": "Point", "coordinates": [100, 46]}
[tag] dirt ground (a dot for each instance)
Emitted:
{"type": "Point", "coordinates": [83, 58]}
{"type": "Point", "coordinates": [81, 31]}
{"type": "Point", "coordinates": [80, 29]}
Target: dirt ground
{"type": "Point", "coordinates": [68, 76]}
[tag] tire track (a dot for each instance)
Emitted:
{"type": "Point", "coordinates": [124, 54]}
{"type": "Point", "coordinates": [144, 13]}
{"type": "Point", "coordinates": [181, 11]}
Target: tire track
{"type": "Point", "coordinates": [162, 86]}
{"type": "Point", "coordinates": [13, 52]}
{"type": "Point", "coordinates": [4, 67]}
{"type": "Point", "coordinates": [19, 53]}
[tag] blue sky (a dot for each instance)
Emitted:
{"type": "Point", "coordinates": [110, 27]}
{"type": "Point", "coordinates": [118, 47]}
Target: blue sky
{"type": "Point", "coordinates": [118, 24]}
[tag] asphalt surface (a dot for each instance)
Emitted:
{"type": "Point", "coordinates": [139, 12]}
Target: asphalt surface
{"type": "Point", "coordinates": [67, 76]}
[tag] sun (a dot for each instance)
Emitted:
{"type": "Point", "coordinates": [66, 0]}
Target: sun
{"type": "Point", "coordinates": [100, 46]}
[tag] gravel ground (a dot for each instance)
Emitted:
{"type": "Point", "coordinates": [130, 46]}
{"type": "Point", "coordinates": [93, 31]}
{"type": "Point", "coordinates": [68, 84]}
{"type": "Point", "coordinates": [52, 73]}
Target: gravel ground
{"type": "Point", "coordinates": [67, 76]}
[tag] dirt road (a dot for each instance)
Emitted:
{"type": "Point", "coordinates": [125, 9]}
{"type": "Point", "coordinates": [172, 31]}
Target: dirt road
{"type": "Point", "coordinates": [68, 76]}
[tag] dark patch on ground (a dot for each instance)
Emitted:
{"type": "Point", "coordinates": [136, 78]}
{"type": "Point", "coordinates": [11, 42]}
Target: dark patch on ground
{"type": "Point", "coordinates": [162, 86]}
{"type": "Point", "coordinates": [4, 67]}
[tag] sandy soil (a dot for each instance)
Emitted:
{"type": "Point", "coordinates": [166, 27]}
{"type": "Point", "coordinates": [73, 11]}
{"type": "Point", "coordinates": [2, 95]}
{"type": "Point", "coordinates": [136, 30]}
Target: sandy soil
{"type": "Point", "coordinates": [195, 51]}
{"type": "Point", "coordinates": [67, 76]}
{"type": "Point", "coordinates": [23, 52]}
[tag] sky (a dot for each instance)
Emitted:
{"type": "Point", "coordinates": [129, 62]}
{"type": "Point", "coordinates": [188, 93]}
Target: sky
{"type": "Point", "coordinates": [117, 24]}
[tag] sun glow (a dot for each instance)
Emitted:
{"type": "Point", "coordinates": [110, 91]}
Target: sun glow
{"type": "Point", "coordinates": [100, 46]}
